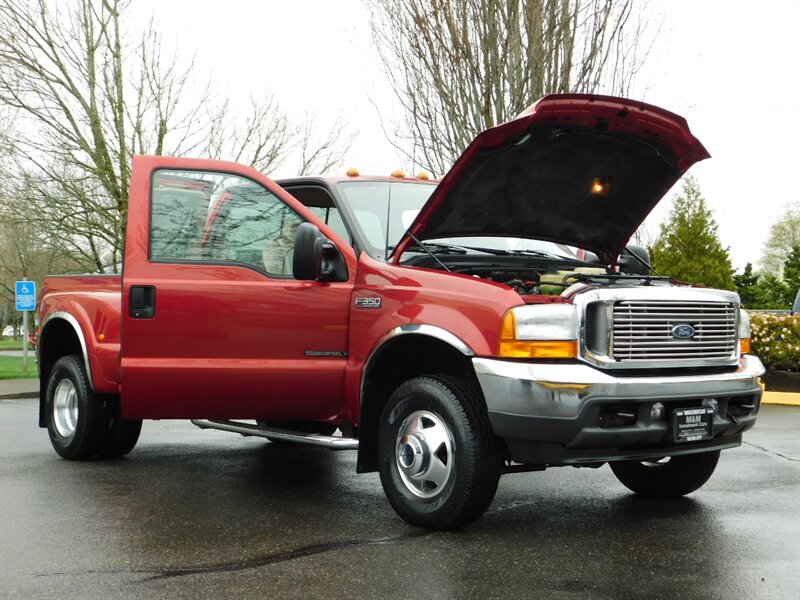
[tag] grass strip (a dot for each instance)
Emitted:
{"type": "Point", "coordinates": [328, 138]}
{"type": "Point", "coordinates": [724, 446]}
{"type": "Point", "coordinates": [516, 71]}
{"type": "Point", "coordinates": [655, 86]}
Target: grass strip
{"type": "Point", "coordinates": [11, 367]}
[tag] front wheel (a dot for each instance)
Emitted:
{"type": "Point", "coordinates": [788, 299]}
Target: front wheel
{"type": "Point", "coordinates": [668, 477]}
{"type": "Point", "coordinates": [76, 419]}
{"type": "Point", "coordinates": [439, 460]}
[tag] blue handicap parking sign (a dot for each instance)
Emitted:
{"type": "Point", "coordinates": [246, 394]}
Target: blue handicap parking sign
{"type": "Point", "coordinates": [25, 295]}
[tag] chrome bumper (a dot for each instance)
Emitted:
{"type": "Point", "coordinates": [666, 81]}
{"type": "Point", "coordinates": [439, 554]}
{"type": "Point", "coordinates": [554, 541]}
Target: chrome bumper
{"type": "Point", "coordinates": [560, 404]}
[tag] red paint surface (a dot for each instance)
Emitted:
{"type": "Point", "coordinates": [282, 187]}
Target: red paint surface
{"type": "Point", "coordinates": [229, 342]}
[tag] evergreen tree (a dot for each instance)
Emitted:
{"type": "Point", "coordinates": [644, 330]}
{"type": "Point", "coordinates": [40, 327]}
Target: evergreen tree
{"type": "Point", "coordinates": [771, 293]}
{"type": "Point", "coordinates": [746, 286]}
{"type": "Point", "coordinates": [688, 247]}
{"type": "Point", "coordinates": [791, 271]}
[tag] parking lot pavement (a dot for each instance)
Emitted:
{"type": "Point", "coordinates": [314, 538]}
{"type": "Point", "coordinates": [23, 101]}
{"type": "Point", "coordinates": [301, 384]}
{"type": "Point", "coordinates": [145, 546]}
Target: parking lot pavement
{"type": "Point", "coordinates": [194, 513]}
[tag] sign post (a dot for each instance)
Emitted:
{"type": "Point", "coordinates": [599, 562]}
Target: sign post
{"type": "Point", "coordinates": [25, 298]}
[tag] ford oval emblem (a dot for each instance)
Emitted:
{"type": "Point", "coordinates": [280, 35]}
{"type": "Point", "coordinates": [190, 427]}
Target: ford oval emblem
{"type": "Point", "coordinates": [684, 331]}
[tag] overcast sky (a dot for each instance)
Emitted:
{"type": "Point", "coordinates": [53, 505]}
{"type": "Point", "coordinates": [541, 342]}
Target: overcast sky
{"type": "Point", "coordinates": [732, 68]}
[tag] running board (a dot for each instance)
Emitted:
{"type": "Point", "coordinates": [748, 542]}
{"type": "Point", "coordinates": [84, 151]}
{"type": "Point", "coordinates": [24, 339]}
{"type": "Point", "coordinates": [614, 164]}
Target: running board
{"type": "Point", "coordinates": [280, 435]}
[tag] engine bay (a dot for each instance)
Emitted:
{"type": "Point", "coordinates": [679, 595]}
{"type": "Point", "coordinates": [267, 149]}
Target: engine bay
{"type": "Point", "coordinates": [538, 276]}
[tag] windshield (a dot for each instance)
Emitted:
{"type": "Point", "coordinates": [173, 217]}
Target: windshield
{"type": "Point", "coordinates": [383, 210]}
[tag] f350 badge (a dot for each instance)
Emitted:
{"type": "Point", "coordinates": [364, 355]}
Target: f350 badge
{"type": "Point", "coordinates": [368, 302]}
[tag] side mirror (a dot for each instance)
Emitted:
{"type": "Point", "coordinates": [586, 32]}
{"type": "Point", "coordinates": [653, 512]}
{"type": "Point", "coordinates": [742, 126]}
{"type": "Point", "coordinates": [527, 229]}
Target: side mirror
{"type": "Point", "coordinates": [634, 260]}
{"type": "Point", "coordinates": [315, 256]}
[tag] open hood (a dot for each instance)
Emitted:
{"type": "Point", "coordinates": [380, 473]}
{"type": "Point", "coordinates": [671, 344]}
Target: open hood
{"type": "Point", "coordinates": [575, 169]}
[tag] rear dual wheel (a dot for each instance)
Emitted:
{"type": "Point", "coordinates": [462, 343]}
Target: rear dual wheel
{"type": "Point", "coordinates": [82, 424]}
{"type": "Point", "coordinates": [122, 433]}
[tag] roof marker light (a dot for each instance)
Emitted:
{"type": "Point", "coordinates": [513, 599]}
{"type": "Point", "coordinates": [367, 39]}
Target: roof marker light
{"type": "Point", "coordinates": [398, 173]}
{"type": "Point", "coordinates": [352, 172]}
{"type": "Point", "coordinates": [423, 175]}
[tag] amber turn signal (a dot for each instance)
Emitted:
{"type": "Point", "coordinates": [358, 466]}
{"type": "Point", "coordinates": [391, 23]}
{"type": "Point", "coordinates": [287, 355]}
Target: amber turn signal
{"type": "Point", "coordinates": [744, 345]}
{"type": "Point", "coordinates": [537, 349]}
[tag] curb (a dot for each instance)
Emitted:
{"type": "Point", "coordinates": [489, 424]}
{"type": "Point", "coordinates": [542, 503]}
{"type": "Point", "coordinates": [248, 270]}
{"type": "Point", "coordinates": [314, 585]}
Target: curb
{"type": "Point", "coordinates": [786, 398]}
{"type": "Point", "coordinates": [19, 396]}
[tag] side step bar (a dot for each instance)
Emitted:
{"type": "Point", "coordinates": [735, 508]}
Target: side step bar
{"type": "Point", "coordinates": [280, 435]}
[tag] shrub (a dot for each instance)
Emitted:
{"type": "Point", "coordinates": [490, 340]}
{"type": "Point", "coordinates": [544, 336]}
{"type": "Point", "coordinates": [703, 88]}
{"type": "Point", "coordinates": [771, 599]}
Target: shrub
{"type": "Point", "coordinates": [775, 339]}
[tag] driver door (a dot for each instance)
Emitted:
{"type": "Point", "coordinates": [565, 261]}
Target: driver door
{"type": "Point", "coordinates": [214, 325]}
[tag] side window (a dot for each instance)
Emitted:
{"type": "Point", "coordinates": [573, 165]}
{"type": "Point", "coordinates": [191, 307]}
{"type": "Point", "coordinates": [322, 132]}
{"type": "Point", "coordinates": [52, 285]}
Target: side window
{"type": "Point", "coordinates": [331, 217]}
{"type": "Point", "coordinates": [211, 217]}
{"type": "Point", "coordinates": [336, 223]}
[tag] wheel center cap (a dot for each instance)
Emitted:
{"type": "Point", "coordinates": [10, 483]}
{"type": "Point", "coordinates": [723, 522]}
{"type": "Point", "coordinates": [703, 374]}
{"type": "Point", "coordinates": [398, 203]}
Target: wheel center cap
{"type": "Point", "coordinates": [411, 455]}
{"type": "Point", "coordinates": [406, 455]}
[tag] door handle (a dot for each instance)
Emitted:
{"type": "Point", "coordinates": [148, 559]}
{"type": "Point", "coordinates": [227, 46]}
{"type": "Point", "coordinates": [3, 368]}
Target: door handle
{"type": "Point", "coordinates": [142, 303]}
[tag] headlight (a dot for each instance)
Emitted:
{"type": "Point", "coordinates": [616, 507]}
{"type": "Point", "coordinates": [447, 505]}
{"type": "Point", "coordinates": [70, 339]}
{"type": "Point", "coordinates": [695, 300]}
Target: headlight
{"type": "Point", "coordinates": [539, 331]}
{"type": "Point", "coordinates": [744, 331]}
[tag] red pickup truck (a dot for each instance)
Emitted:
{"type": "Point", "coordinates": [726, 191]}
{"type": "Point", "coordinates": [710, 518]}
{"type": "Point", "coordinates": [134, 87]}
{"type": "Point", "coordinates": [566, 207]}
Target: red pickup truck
{"type": "Point", "coordinates": [452, 332]}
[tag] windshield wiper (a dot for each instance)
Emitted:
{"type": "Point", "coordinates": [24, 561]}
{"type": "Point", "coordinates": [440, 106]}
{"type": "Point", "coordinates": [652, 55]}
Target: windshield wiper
{"type": "Point", "coordinates": [428, 250]}
{"type": "Point", "coordinates": [540, 253]}
{"type": "Point", "coordinates": [457, 249]}
{"type": "Point", "coordinates": [518, 252]}
{"type": "Point", "coordinates": [495, 251]}
{"type": "Point", "coordinates": [434, 247]}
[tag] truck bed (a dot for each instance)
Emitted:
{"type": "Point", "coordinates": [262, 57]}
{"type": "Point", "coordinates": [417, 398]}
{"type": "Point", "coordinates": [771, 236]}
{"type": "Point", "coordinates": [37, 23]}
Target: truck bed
{"type": "Point", "coordinates": [93, 303]}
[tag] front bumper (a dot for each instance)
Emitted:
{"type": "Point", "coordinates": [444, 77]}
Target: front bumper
{"type": "Point", "coordinates": [553, 413]}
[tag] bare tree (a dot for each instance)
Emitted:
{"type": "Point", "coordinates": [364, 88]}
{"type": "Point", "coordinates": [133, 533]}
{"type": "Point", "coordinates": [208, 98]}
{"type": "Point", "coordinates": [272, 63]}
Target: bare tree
{"type": "Point", "coordinates": [91, 97]}
{"type": "Point", "coordinates": [25, 251]}
{"type": "Point", "coordinates": [322, 152]}
{"type": "Point", "coordinates": [62, 69]}
{"type": "Point", "coordinates": [460, 66]}
{"type": "Point", "coordinates": [644, 236]}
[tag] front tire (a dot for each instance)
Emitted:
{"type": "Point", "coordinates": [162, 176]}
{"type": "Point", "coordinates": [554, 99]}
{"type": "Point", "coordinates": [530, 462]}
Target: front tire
{"type": "Point", "coordinates": [439, 460]}
{"type": "Point", "coordinates": [76, 419]}
{"type": "Point", "coordinates": [669, 477]}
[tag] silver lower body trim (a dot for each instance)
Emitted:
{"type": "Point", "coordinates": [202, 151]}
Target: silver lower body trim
{"type": "Point", "coordinates": [561, 390]}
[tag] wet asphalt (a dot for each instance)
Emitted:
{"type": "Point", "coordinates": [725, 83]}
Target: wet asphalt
{"type": "Point", "coordinates": [205, 514]}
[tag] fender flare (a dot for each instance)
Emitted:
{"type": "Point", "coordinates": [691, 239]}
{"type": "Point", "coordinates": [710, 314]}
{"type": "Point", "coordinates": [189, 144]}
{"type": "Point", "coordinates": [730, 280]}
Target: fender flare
{"type": "Point", "coordinates": [367, 435]}
{"type": "Point", "coordinates": [412, 329]}
{"type": "Point", "coordinates": [78, 332]}
{"type": "Point", "coordinates": [421, 329]}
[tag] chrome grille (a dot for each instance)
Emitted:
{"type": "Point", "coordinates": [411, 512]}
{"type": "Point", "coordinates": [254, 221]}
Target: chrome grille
{"type": "Point", "coordinates": [643, 330]}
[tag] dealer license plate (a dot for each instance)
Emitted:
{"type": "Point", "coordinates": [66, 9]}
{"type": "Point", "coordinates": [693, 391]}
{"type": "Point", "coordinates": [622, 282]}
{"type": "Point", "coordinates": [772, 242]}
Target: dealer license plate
{"type": "Point", "coordinates": [692, 424]}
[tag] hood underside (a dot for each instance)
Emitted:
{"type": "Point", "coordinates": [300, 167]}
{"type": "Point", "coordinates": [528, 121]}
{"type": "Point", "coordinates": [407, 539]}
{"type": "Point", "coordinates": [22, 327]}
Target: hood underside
{"type": "Point", "coordinates": [573, 169]}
